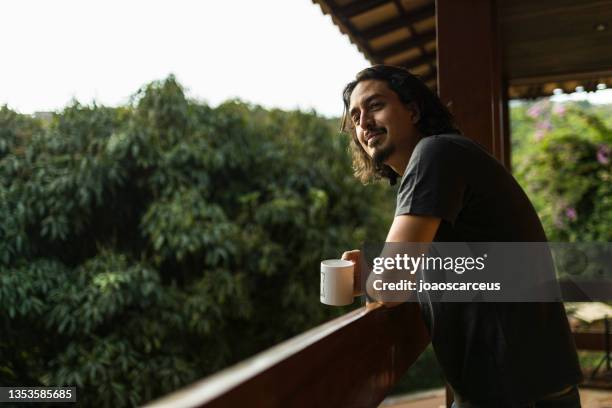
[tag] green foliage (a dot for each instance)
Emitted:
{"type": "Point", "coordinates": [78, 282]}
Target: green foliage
{"type": "Point", "coordinates": [562, 157]}
{"type": "Point", "coordinates": [146, 246]}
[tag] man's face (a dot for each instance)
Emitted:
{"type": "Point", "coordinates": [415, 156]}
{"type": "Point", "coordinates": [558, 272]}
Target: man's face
{"type": "Point", "coordinates": [383, 124]}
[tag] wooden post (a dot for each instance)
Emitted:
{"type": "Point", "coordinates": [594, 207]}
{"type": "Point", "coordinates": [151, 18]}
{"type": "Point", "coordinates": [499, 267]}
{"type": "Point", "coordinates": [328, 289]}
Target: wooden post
{"type": "Point", "coordinates": [470, 78]}
{"type": "Point", "coordinates": [470, 71]}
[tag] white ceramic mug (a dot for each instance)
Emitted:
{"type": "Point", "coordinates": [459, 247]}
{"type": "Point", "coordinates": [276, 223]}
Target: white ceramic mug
{"type": "Point", "coordinates": [337, 279]}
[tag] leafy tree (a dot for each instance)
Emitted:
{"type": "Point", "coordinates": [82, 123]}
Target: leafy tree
{"type": "Point", "coordinates": [146, 246]}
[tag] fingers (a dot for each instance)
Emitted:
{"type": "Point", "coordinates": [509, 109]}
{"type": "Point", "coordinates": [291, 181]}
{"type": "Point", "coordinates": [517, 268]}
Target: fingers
{"type": "Point", "coordinates": [352, 255]}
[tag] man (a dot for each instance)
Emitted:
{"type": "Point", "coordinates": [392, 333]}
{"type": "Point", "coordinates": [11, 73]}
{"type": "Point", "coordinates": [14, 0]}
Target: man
{"type": "Point", "coordinates": [451, 189]}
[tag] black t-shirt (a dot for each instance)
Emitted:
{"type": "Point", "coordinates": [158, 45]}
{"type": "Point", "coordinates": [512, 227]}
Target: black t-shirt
{"type": "Point", "coordinates": [496, 354]}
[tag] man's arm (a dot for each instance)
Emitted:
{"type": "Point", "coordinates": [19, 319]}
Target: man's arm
{"type": "Point", "coordinates": [405, 228]}
{"type": "Point", "coordinates": [409, 228]}
{"type": "Point", "coordinates": [413, 228]}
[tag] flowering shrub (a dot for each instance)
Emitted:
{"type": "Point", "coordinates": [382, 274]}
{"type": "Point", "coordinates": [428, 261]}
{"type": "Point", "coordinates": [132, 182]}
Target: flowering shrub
{"type": "Point", "coordinates": [562, 159]}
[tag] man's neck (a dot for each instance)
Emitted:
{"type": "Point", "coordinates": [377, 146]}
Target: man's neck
{"type": "Point", "coordinates": [399, 161]}
{"type": "Point", "coordinates": [399, 164]}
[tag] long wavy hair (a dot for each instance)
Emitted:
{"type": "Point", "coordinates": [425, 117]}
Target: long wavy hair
{"type": "Point", "coordinates": [434, 118]}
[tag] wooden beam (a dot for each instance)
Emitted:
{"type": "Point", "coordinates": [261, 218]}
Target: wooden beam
{"type": "Point", "coordinates": [430, 75]}
{"type": "Point", "coordinates": [469, 71]}
{"type": "Point", "coordinates": [350, 362]}
{"type": "Point", "coordinates": [428, 58]}
{"type": "Point", "coordinates": [413, 32]}
{"type": "Point", "coordinates": [571, 76]}
{"type": "Point", "coordinates": [358, 7]}
{"type": "Point", "coordinates": [504, 117]}
{"type": "Point", "coordinates": [391, 25]}
{"type": "Point", "coordinates": [402, 46]}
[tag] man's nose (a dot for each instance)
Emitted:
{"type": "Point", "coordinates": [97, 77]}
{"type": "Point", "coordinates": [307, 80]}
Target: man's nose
{"type": "Point", "coordinates": [366, 120]}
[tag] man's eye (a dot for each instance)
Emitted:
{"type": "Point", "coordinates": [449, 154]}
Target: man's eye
{"type": "Point", "coordinates": [375, 105]}
{"type": "Point", "coordinates": [356, 119]}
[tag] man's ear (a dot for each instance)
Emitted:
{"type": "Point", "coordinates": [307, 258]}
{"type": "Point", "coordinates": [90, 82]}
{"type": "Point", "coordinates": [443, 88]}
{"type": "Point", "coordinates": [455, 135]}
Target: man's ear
{"type": "Point", "coordinates": [416, 112]}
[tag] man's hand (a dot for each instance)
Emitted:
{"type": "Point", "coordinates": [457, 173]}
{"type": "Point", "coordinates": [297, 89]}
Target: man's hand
{"type": "Point", "coordinates": [358, 289]}
{"type": "Point", "coordinates": [405, 228]}
{"type": "Point", "coordinates": [355, 257]}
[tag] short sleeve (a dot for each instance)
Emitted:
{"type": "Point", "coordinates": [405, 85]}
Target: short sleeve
{"type": "Point", "coordinates": [434, 180]}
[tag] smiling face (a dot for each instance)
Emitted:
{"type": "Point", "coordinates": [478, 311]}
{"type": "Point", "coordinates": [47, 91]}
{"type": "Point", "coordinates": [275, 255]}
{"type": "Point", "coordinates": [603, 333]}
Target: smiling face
{"type": "Point", "coordinates": [384, 126]}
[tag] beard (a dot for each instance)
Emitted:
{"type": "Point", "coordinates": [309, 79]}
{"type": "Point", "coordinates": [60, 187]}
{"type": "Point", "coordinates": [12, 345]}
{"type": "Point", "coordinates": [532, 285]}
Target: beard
{"type": "Point", "coordinates": [381, 155]}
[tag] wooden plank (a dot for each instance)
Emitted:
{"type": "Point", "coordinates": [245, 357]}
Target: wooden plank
{"type": "Point", "coordinates": [469, 71]}
{"type": "Point", "coordinates": [592, 341]}
{"type": "Point", "coordinates": [517, 10]}
{"type": "Point", "coordinates": [429, 58]}
{"type": "Point", "coordinates": [399, 22]}
{"type": "Point", "coordinates": [589, 75]}
{"type": "Point", "coordinates": [413, 32]}
{"type": "Point", "coordinates": [430, 75]}
{"type": "Point", "coordinates": [538, 36]}
{"type": "Point", "coordinates": [421, 40]}
{"type": "Point", "coordinates": [352, 361]}
{"type": "Point", "coordinates": [504, 124]}
{"type": "Point", "coordinates": [358, 7]}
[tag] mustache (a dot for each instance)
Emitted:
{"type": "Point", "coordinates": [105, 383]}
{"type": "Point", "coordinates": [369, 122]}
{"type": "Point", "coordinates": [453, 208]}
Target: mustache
{"type": "Point", "coordinates": [377, 129]}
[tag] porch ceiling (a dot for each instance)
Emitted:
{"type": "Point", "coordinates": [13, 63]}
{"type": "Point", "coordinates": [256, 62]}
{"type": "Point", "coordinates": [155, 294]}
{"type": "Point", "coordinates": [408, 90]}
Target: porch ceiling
{"type": "Point", "coordinates": [547, 44]}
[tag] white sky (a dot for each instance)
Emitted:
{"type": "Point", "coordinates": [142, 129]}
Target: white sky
{"type": "Point", "coordinates": [278, 53]}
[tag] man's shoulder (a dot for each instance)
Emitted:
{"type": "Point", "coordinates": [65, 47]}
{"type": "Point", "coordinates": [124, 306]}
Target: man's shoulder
{"type": "Point", "coordinates": [447, 140]}
{"type": "Point", "coordinates": [431, 147]}
{"type": "Point", "coordinates": [451, 146]}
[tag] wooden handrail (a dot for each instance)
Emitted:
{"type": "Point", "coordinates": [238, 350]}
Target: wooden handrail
{"type": "Point", "coordinates": [352, 361]}
{"type": "Point", "coordinates": [591, 340]}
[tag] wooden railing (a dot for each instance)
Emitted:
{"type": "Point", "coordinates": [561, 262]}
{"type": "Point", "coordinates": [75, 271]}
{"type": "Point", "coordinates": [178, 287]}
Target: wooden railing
{"type": "Point", "coordinates": [352, 361]}
{"type": "Point", "coordinates": [591, 340]}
